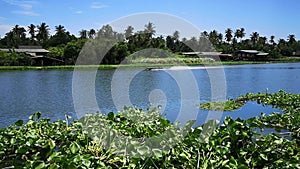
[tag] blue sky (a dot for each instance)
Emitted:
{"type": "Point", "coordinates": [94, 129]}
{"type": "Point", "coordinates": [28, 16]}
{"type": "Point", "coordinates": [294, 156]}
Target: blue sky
{"type": "Point", "coordinates": [268, 17]}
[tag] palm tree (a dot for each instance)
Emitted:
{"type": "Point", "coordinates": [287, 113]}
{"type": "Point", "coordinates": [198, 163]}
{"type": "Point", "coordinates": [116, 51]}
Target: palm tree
{"type": "Point", "coordinates": [220, 38]}
{"type": "Point", "coordinates": [43, 33]}
{"type": "Point", "coordinates": [213, 37]}
{"type": "Point", "coordinates": [83, 34]}
{"type": "Point", "coordinates": [176, 35]}
{"type": "Point", "coordinates": [150, 29]}
{"type": "Point", "coordinates": [272, 40]}
{"type": "Point", "coordinates": [291, 39]}
{"type": "Point", "coordinates": [92, 33]}
{"type": "Point", "coordinates": [228, 35]}
{"type": "Point", "coordinates": [60, 29]}
{"type": "Point", "coordinates": [31, 31]}
{"type": "Point", "coordinates": [19, 35]}
{"type": "Point", "coordinates": [254, 37]}
{"type": "Point", "coordinates": [129, 32]}
{"type": "Point", "coordinates": [239, 33]}
{"type": "Point", "coordinates": [205, 34]}
{"type": "Point", "coordinates": [242, 33]}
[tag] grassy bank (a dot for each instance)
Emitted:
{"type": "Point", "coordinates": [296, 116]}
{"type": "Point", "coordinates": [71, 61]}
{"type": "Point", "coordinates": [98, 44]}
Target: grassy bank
{"type": "Point", "coordinates": [150, 64]}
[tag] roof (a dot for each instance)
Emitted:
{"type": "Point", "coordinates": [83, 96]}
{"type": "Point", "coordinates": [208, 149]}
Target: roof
{"type": "Point", "coordinates": [262, 54]}
{"type": "Point", "coordinates": [26, 50]}
{"type": "Point", "coordinates": [201, 53]}
{"type": "Point", "coordinates": [30, 47]}
{"type": "Point", "coordinates": [249, 51]}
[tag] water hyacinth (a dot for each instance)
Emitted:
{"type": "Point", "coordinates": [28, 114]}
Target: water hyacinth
{"type": "Point", "coordinates": [120, 141]}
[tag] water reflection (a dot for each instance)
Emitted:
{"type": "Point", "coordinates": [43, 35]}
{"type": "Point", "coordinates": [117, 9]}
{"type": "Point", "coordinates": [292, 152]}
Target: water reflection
{"type": "Point", "coordinates": [24, 92]}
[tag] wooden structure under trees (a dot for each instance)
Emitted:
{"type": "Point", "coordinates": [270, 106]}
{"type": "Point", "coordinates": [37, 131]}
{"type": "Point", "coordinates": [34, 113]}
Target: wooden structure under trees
{"type": "Point", "coordinates": [38, 55]}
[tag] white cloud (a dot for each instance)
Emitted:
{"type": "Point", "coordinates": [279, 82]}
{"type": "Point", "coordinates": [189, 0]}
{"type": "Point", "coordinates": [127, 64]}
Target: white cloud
{"type": "Point", "coordinates": [28, 13]}
{"type": "Point", "coordinates": [26, 6]}
{"type": "Point", "coordinates": [79, 12]}
{"type": "Point", "coordinates": [95, 6]}
{"type": "Point", "coordinates": [21, 3]}
{"type": "Point", "coordinates": [4, 29]}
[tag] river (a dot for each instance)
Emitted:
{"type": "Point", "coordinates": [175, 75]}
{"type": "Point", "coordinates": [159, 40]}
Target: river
{"type": "Point", "coordinates": [52, 91]}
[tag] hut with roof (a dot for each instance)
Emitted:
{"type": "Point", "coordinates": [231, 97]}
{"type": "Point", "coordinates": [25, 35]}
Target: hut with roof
{"type": "Point", "coordinates": [38, 55]}
{"type": "Point", "coordinates": [251, 55]}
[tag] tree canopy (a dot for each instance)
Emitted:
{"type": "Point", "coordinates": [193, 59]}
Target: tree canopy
{"type": "Point", "coordinates": [62, 44]}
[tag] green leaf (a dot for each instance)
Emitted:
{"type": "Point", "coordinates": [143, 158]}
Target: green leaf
{"type": "Point", "coordinates": [157, 153]}
{"type": "Point", "coordinates": [19, 123]}
{"type": "Point", "coordinates": [110, 116]}
{"type": "Point", "coordinates": [263, 156]}
{"type": "Point", "coordinates": [40, 166]}
{"type": "Point", "coordinates": [53, 166]}
{"type": "Point", "coordinates": [13, 141]}
{"type": "Point", "coordinates": [143, 150]}
{"type": "Point", "coordinates": [38, 115]}
{"type": "Point", "coordinates": [51, 144]}
{"type": "Point", "coordinates": [74, 147]}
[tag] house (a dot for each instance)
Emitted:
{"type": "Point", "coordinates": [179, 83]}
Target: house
{"type": "Point", "coordinates": [213, 55]}
{"type": "Point", "coordinates": [296, 53]}
{"type": "Point", "coordinates": [38, 55]}
{"type": "Point", "coordinates": [252, 55]}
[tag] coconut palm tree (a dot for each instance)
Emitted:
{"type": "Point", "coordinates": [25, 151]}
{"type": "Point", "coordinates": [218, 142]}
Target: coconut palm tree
{"type": "Point", "coordinates": [60, 30]}
{"type": "Point", "coordinates": [91, 33]}
{"type": "Point", "coordinates": [19, 35]}
{"type": "Point", "coordinates": [43, 33]}
{"type": "Point", "coordinates": [272, 40]}
{"type": "Point", "coordinates": [31, 31]}
{"type": "Point", "coordinates": [129, 32]}
{"type": "Point", "coordinates": [176, 35]}
{"type": "Point", "coordinates": [150, 29]}
{"type": "Point", "coordinates": [228, 35]}
{"type": "Point", "coordinates": [242, 33]}
{"type": "Point", "coordinates": [291, 39]}
{"type": "Point", "coordinates": [254, 37]}
{"type": "Point", "coordinates": [83, 34]}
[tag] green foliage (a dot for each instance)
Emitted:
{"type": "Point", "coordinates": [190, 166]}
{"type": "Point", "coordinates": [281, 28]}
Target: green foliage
{"type": "Point", "coordinates": [56, 52]}
{"type": "Point", "coordinates": [40, 143]}
{"type": "Point", "coordinates": [14, 59]}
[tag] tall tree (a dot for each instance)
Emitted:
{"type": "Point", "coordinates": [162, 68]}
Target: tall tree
{"type": "Point", "coordinates": [83, 34]}
{"type": "Point", "coordinates": [19, 35]}
{"type": "Point", "coordinates": [213, 37]}
{"type": "Point", "coordinates": [150, 29]}
{"type": "Point", "coordinates": [31, 31]}
{"type": "Point", "coordinates": [242, 33]}
{"type": "Point", "coordinates": [176, 35]}
{"type": "Point", "coordinates": [92, 33]}
{"type": "Point", "coordinates": [272, 40]}
{"type": "Point", "coordinates": [60, 29]}
{"type": "Point", "coordinates": [291, 39]}
{"type": "Point", "coordinates": [129, 32]}
{"type": "Point", "coordinates": [43, 33]}
{"type": "Point", "coordinates": [254, 37]}
{"type": "Point", "coordinates": [228, 35]}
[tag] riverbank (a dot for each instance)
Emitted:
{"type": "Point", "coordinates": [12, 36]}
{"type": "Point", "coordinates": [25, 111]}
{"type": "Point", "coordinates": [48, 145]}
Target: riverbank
{"type": "Point", "coordinates": [144, 65]}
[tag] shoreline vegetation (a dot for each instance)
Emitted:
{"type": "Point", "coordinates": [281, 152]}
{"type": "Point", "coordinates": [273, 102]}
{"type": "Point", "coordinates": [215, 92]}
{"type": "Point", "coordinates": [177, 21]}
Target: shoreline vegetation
{"type": "Point", "coordinates": [97, 140]}
{"type": "Point", "coordinates": [150, 64]}
{"type": "Point", "coordinates": [63, 48]}
{"type": "Point", "coordinates": [234, 104]}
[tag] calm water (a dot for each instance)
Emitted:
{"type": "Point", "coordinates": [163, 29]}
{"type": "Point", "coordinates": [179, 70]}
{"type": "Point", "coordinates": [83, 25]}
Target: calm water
{"type": "Point", "coordinates": [50, 92]}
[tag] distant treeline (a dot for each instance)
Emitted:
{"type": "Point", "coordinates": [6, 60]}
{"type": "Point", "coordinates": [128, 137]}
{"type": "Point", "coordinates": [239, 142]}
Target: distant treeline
{"type": "Point", "coordinates": [65, 46]}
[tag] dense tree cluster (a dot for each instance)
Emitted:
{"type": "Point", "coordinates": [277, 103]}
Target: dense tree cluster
{"type": "Point", "coordinates": [63, 45]}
